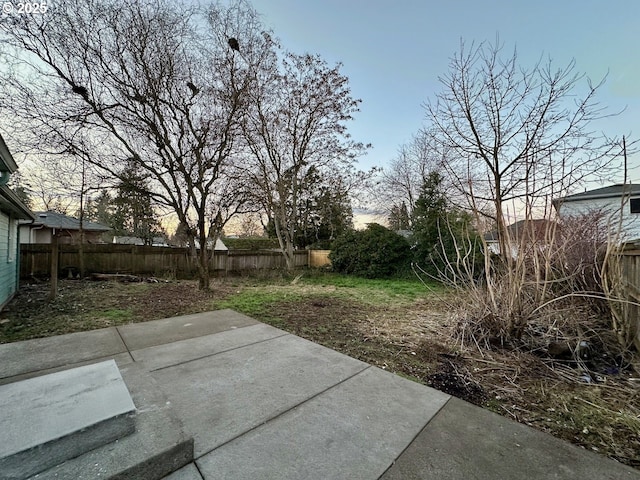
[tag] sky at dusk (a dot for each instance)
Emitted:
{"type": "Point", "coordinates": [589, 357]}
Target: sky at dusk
{"type": "Point", "coordinates": [394, 51]}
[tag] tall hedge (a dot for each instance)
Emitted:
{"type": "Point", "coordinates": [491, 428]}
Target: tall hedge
{"type": "Point", "coordinates": [374, 252]}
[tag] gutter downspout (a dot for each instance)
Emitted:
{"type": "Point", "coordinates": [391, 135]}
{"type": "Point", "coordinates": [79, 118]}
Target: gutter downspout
{"type": "Point", "coordinates": [31, 229]}
{"type": "Point", "coordinates": [18, 256]}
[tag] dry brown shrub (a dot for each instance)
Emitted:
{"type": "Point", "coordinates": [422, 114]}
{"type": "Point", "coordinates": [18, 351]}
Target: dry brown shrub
{"type": "Point", "coordinates": [550, 291]}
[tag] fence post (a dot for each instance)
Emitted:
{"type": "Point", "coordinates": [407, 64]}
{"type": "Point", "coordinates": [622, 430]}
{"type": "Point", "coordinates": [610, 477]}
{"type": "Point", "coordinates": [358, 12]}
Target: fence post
{"type": "Point", "coordinates": [53, 292]}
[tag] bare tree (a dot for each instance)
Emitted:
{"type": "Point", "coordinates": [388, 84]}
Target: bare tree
{"type": "Point", "coordinates": [400, 184]}
{"type": "Point", "coordinates": [401, 181]}
{"type": "Point", "coordinates": [250, 226]}
{"type": "Point", "coordinates": [296, 132]}
{"type": "Point", "coordinates": [512, 134]}
{"type": "Point", "coordinates": [152, 82]}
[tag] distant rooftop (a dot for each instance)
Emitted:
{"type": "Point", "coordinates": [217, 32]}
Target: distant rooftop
{"type": "Point", "coordinates": [611, 191]}
{"type": "Point", "coordinates": [65, 222]}
{"type": "Point", "coordinates": [535, 226]}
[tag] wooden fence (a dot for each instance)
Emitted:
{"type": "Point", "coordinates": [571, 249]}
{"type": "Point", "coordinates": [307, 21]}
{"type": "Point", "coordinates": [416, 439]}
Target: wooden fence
{"type": "Point", "coordinates": [631, 284]}
{"type": "Point", "coordinates": [35, 260]}
{"type": "Point", "coordinates": [319, 258]}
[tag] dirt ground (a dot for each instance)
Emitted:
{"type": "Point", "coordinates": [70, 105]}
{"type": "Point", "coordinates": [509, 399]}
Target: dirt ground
{"type": "Point", "coordinates": [414, 338]}
{"type": "Point", "coordinates": [88, 305]}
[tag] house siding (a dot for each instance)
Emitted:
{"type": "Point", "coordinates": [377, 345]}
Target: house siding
{"type": "Point", "coordinates": [8, 263]}
{"type": "Point", "coordinates": [610, 206]}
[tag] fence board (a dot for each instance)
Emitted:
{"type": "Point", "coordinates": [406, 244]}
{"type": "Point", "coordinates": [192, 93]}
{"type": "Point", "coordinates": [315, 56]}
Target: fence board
{"type": "Point", "coordinates": [144, 260]}
{"type": "Point", "coordinates": [319, 258]}
{"type": "Point", "coordinates": [631, 281]}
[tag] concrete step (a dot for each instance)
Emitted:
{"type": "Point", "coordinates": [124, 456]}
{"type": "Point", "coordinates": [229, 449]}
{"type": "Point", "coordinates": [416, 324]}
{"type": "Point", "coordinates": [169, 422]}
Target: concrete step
{"type": "Point", "coordinates": [49, 419]}
{"type": "Point", "coordinates": [157, 448]}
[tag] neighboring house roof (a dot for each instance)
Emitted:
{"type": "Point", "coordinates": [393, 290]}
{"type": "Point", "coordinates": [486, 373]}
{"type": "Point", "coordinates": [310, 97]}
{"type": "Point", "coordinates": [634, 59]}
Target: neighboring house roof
{"type": "Point", "coordinates": [65, 222]}
{"type": "Point", "coordinates": [516, 230]}
{"type": "Point", "coordinates": [155, 241]}
{"type": "Point", "coordinates": [491, 236]}
{"type": "Point", "coordinates": [124, 240]}
{"type": "Point", "coordinates": [218, 246]}
{"type": "Point", "coordinates": [9, 201]}
{"type": "Point", "coordinates": [7, 163]}
{"type": "Point", "coordinates": [612, 191]}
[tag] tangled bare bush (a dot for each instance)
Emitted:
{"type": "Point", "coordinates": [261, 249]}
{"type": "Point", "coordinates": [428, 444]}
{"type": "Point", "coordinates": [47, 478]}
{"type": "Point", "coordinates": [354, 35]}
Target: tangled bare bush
{"type": "Point", "coordinates": [548, 295]}
{"type": "Point", "coordinates": [579, 252]}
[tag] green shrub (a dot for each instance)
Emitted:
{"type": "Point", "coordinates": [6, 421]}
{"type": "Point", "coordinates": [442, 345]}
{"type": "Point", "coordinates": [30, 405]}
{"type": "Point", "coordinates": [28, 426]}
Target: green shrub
{"type": "Point", "coordinates": [251, 243]}
{"type": "Point", "coordinates": [375, 252]}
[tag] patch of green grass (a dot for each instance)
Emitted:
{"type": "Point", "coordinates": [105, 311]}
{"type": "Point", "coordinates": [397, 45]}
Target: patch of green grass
{"type": "Point", "coordinates": [256, 296]}
{"type": "Point", "coordinates": [351, 281]}
{"type": "Point", "coordinates": [256, 300]}
{"type": "Point", "coordinates": [374, 291]}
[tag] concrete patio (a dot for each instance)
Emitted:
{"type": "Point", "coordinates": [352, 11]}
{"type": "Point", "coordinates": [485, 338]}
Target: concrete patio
{"type": "Point", "coordinates": [222, 396]}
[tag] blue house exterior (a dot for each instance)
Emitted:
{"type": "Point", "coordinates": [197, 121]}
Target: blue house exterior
{"type": "Point", "coordinates": [12, 209]}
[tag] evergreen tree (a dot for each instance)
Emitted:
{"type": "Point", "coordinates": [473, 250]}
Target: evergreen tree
{"type": "Point", "coordinates": [133, 213]}
{"type": "Point", "coordinates": [323, 217]}
{"type": "Point", "coordinates": [336, 214]}
{"type": "Point", "coordinates": [399, 218]}
{"type": "Point", "coordinates": [18, 186]}
{"type": "Point", "coordinates": [443, 235]}
{"type": "Point", "coordinates": [100, 209]}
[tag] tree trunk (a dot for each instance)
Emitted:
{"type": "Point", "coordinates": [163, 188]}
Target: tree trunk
{"type": "Point", "coordinates": [81, 251]}
{"type": "Point", "coordinates": [289, 256]}
{"type": "Point", "coordinates": [81, 248]}
{"type": "Point", "coordinates": [503, 237]}
{"type": "Point", "coordinates": [81, 230]}
{"type": "Point", "coordinates": [53, 292]}
{"type": "Point", "coordinates": [504, 242]}
{"type": "Point", "coordinates": [285, 245]}
{"type": "Point", "coordinates": [203, 270]}
{"type": "Point", "coordinates": [203, 258]}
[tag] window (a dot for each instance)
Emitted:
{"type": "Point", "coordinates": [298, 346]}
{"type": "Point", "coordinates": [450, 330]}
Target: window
{"type": "Point", "coordinates": [634, 204]}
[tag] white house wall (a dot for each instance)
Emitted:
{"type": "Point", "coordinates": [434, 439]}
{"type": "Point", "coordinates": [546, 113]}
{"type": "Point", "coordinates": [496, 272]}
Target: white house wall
{"type": "Point", "coordinates": [494, 248]}
{"type": "Point", "coordinates": [25, 234]}
{"type": "Point", "coordinates": [34, 235]}
{"type": "Point", "coordinates": [610, 206]}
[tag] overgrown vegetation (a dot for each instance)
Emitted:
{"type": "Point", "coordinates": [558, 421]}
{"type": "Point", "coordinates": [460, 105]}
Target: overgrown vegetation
{"type": "Point", "coordinates": [550, 290]}
{"type": "Point", "coordinates": [504, 136]}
